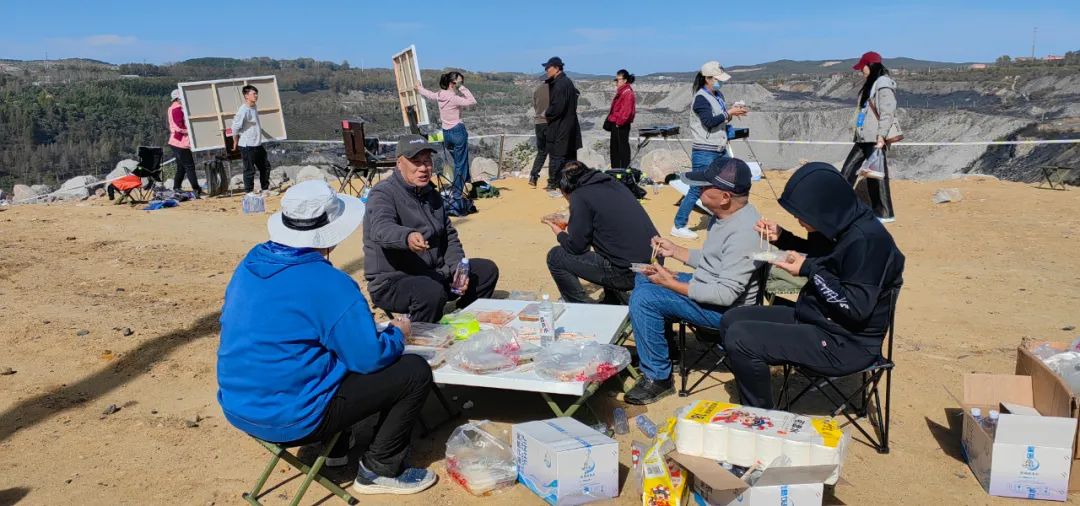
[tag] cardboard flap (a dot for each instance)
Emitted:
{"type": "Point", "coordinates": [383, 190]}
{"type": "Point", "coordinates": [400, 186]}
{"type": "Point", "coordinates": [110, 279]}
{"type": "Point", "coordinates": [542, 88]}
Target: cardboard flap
{"type": "Point", "coordinates": [1016, 409]}
{"type": "Point", "coordinates": [795, 475]}
{"type": "Point", "coordinates": [709, 471]}
{"type": "Point", "coordinates": [1050, 395]}
{"type": "Point", "coordinates": [1045, 431]}
{"type": "Point", "coordinates": [990, 389]}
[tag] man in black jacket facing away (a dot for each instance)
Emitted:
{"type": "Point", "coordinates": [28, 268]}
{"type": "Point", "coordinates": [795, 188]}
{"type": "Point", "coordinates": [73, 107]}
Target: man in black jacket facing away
{"type": "Point", "coordinates": [840, 318]}
{"type": "Point", "coordinates": [607, 231]}
{"type": "Point", "coordinates": [410, 247]}
{"type": "Point", "coordinates": [563, 133]}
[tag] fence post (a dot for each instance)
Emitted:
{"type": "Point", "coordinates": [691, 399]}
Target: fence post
{"type": "Point", "coordinates": [498, 170]}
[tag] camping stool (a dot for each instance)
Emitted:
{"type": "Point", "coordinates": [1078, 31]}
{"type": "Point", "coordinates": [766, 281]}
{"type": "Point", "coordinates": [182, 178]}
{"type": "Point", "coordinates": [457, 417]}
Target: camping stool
{"type": "Point", "coordinates": [311, 473]}
{"type": "Point", "coordinates": [867, 393]}
{"type": "Point", "coordinates": [1055, 176]}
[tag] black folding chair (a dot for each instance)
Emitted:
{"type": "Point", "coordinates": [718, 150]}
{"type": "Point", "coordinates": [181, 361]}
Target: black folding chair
{"type": "Point", "coordinates": [711, 335]}
{"type": "Point", "coordinates": [856, 404]}
{"type": "Point", "coordinates": [364, 162]}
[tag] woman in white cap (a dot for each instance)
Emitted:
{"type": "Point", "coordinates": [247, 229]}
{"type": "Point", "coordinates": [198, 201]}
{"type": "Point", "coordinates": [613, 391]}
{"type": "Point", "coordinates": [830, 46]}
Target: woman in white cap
{"type": "Point", "coordinates": [709, 131]}
{"type": "Point", "coordinates": [300, 357]}
{"type": "Point", "coordinates": [181, 146]}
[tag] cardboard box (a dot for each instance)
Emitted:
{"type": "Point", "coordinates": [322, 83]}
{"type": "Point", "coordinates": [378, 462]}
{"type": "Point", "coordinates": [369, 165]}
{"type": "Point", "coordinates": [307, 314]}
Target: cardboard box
{"type": "Point", "coordinates": [1050, 395]}
{"type": "Point", "coordinates": [1027, 456]}
{"type": "Point", "coordinates": [715, 486]}
{"type": "Point", "coordinates": [563, 461]}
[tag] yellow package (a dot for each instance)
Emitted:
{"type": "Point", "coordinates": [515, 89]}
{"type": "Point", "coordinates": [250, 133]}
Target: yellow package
{"type": "Point", "coordinates": [664, 481]}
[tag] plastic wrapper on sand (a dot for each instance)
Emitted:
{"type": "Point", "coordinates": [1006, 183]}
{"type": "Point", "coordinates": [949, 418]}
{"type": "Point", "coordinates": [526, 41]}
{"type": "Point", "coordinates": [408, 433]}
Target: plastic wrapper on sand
{"type": "Point", "coordinates": [581, 361]}
{"type": "Point", "coordinates": [479, 461]}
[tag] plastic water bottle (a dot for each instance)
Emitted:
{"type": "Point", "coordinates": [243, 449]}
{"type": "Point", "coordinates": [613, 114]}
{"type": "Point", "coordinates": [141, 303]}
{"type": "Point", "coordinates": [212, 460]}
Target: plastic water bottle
{"type": "Point", "coordinates": [364, 195]}
{"type": "Point", "coordinates": [622, 425]}
{"type": "Point", "coordinates": [461, 277]}
{"type": "Point", "coordinates": [990, 423]}
{"type": "Point", "coordinates": [645, 425]}
{"type": "Point", "coordinates": [976, 413]}
{"type": "Point", "coordinates": [547, 321]}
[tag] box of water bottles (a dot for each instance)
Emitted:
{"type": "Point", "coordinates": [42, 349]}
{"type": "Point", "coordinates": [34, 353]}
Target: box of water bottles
{"type": "Point", "coordinates": [1013, 450]}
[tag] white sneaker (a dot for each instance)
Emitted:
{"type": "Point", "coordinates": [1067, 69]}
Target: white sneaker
{"type": "Point", "coordinates": [886, 220]}
{"type": "Point", "coordinates": [683, 232]}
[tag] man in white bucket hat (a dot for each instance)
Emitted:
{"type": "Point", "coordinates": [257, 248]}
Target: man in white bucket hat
{"type": "Point", "coordinates": [300, 357]}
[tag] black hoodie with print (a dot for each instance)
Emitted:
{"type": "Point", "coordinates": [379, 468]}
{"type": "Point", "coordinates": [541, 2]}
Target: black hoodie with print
{"type": "Point", "coordinates": [851, 262]}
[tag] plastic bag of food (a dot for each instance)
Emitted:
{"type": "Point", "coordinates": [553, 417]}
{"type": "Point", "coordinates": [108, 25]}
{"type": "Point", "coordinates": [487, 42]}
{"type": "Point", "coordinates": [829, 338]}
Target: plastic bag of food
{"type": "Point", "coordinates": [874, 166]}
{"type": "Point", "coordinates": [498, 317]}
{"type": "Point", "coordinates": [430, 334]}
{"type": "Point", "coordinates": [581, 361]}
{"type": "Point", "coordinates": [487, 352]}
{"type": "Point", "coordinates": [479, 461]}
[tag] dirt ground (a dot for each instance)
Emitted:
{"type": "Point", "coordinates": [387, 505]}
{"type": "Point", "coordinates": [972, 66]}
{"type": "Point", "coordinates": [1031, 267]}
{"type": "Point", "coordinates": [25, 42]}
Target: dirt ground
{"type": "Point", "coordinates": [981, 274]}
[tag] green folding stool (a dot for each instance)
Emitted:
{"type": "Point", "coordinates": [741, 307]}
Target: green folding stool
{"type": "Point", "coordinates": [311, 473]}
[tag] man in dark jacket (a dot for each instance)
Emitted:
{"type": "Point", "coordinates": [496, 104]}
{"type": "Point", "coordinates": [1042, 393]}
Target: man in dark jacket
{"type": "Point", "coordinates": [840, 318]}
{"type": "Point", "coordinates": [563, 133]}
{"type": "Point", "coordinates": [410, 247]}
{"type": "Point", "coordinates": [607, 231]}
{"type": "Point", "coordinates": [540, 104]}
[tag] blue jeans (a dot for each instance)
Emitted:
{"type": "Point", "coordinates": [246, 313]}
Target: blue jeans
{"type": "Point", "coordinates": [457, 141]}
{"type": "Point", "coordinates": [699, 161]}
{"type": "Point", "coordinates": [650, 306]}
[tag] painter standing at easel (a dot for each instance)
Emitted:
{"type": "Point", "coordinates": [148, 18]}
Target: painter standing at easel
{"type": "Point", "coordinates": [453, 97]}
{"type": "Point", "coordinates": [248, 138]}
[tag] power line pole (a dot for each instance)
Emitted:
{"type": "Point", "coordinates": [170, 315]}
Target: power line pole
{"type": "Point", "coordinates": [1034, 31]}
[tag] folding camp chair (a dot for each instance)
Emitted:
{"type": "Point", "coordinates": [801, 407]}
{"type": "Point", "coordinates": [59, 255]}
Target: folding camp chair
{"type": "Point", "coordinates": [131, 187]}
{"type": "Point", "coordinates": [364, 162]}
{"type": "Point", "coordinates": [311, 473]}
{"type": "Point", "coordinates": [1055, 177]}
{"type": "Point", "coordinates": [845, 404]}
{"type": "Point", "coordinates": [712, 336]}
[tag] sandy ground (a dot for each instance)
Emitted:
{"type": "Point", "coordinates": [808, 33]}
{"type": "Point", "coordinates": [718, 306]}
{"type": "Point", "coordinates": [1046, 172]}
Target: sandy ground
{"type": "Point", "coordinates": [981, 274]}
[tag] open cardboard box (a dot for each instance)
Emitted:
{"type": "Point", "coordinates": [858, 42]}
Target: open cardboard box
{"type": "Point", "coordinates": [1028, 456]}
{"type": "Point", "coordinates": [714, 485]}
{"type": "Point", "coordinates": [1050, 395]}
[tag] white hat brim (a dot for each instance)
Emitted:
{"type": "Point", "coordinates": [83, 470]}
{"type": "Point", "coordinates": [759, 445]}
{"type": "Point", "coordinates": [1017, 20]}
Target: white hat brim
{"type": "Point", "coordinates": [331, 234]}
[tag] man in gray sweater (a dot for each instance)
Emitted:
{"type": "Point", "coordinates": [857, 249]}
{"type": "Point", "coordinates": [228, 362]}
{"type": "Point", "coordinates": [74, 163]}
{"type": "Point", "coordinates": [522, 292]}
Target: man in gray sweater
{"type": "Point", "coordinates": [721, 279]}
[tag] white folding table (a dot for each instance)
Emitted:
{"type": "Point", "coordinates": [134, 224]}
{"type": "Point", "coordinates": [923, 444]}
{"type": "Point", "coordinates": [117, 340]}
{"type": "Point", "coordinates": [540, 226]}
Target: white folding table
{"type": "Point", "coordinates": [604, 323]}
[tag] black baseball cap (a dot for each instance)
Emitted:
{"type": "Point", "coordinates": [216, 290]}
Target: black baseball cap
{"type": "Point", "coordinates": [412, 145]}
{"type": "Point", "coordinates": [554, 60]}
{"type": "Point", "coordinates": [728, 174]}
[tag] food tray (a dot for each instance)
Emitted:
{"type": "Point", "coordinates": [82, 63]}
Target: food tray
{"type": "Point", "coordinates": [498, 317]}
{"type": "Point", "coordinates": [770, 256]}
{"type": "Point", "coordinates": [430, 335]}
{"type": "Point", "coordinates": [531, 313]}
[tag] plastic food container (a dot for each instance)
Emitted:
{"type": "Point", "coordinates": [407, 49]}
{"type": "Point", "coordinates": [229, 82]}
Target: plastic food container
{"type": "Point", "coordinates": [531, 313]}
{"type": "Point", "coordinates": [434, 356]}
{"type": "Point", "coordinates": [498, 317]}
{"type": "Point", "coordinates": [464, 324]}
{"type": "Point", "coordinates": [430, 335]}
{"type": "Point", "coordinates": [770, 256]}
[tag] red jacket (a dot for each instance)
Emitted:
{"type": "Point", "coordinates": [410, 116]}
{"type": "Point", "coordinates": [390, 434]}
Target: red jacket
{"type": "Point", "coordinates": [623, 107]}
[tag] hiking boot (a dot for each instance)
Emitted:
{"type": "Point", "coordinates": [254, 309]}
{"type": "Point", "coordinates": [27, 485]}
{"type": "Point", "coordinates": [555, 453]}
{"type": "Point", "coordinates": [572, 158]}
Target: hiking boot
{"type": "Point", "coordinates": [683, 232]}
{"type": "Point", "coordinates": [410, 481]}
{"type": "Point", "coordinates": [648, 391]}
{"type": "Point", "coordinates": [532, 182]}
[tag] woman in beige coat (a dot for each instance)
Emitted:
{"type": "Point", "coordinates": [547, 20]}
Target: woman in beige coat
{"type": "Point", "coordinates": [875, 128]}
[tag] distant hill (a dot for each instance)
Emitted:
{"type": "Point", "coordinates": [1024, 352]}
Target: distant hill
{"type": "Point", "coordinates": [782, 68]}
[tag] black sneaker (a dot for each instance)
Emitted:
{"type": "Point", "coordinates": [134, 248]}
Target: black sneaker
{"type": "Point", "coordinates": [532, 182]}
{"type": "Point", "coordinates": [648, 391]}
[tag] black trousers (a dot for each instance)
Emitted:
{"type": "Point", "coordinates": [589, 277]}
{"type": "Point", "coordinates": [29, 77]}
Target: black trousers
{"type": "Point", "coordinates": [568, 269]}
{"type": "Point", "coordinates": [255, 156]}
{"type": "Point", "coordinates": [756, 337]}
{"type": "Point", "coordinates": [423, 296]}
{"type": "Point", "coordinates": [620, 147]}
{"type": "Point", "coordinates": [541, 151]}
{"type": "Point", "coordinates": [874, 192]}
{"type": "Point", "coordinates": [185, 164]}
{"type": "Point", "coordinates": [397, 394]}
{"type": "Point", "coordinates": [555, 167]}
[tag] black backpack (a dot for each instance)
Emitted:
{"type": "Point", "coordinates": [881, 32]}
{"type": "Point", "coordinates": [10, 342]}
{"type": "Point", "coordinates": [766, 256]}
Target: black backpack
{"type": "Point", "coordinates": [456, 203]}
{"type": "Point", "coordinates": [631, 178]}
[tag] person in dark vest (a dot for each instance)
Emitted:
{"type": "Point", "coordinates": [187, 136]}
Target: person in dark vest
{"type": "Point", "coordinates": [540, 103]}
{"type": "Point", "coordinates": [563, 130]}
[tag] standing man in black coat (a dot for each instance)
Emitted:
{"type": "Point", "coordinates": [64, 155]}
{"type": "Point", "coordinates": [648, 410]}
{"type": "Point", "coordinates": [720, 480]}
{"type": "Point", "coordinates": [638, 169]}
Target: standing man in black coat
{"type": "Point", "coordinates": [563, 130]}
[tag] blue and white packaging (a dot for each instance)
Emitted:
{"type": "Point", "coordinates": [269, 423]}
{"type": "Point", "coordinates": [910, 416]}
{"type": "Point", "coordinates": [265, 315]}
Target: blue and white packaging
{"type": "Point", "coordinates": [564, 461]}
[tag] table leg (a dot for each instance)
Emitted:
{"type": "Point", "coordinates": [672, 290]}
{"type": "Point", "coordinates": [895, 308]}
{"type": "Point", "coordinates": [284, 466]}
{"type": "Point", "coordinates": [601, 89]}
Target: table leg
{"type": "Point", "coordinates": [624, 335]}
{"type": "Point", "coordinates": [573, 408]}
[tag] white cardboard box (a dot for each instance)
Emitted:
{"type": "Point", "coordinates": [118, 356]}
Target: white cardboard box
{"type": "Point", "coordinates": [714, 486]}
{"type": "Point", "coordinates": [563, 461]}
{"type": "Point", "coordinates": [1029, 457]}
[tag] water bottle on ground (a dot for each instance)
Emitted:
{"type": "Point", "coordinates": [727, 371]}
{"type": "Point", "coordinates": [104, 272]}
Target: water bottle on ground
{"type": "Point", "coordinates": [990, 423]}
{"type": "Point", "coordinates": [461, 277]}
{"type": "Point", "coordinates": [622, 425]}
{"type": "Point", "coordinates": [976, 413]}
{"type": "Point", "coordinates": [547, 321]}
{"type": "Point", "coordinates": [645, 425]}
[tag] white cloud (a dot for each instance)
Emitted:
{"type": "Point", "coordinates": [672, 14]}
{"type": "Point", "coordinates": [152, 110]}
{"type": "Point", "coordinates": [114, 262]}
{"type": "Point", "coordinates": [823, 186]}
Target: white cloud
{"type": "Point", "coordinates": [109, 40]}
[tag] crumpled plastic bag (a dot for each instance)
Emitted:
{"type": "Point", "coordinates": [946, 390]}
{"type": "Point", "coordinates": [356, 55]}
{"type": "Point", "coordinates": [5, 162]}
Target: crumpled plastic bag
{"type": "Point", "coordinates": [489, 351]}
{"type": "Point", "coordinates": [874, 166]}
{"type": "Point", "coordinates": [479, 461]}
{"type": "Point", "coordinates": [581, 361]}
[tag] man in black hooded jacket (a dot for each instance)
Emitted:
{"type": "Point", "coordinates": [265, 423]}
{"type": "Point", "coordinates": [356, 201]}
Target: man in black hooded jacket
{"type": "Point", "coordinates": [563, 133]}
{"type": "Point", "coordinates": [840, 318]}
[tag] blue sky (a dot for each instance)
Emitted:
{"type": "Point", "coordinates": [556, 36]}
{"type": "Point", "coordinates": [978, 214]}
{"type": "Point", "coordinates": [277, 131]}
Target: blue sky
{"type": "Point", "coordinates": [591, 36]}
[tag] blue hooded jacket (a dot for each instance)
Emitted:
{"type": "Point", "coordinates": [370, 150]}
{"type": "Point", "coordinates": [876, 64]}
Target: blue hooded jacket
{"type": "Point", "coordinates": [292, 327]}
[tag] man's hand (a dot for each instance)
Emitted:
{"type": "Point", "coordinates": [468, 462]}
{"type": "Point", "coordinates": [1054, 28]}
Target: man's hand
{"type": "Point", "coordinates": [417, 243]}
{"type": "Point", "coordinates": [792, 264]}
{"type": "Point", "coordinates": [660, 275]}
{"type": "Point", "coordinates": [403, 323]}
{"type": "Point", "coordinates": [768, 227]}
{"type": "Point", "coordinates": [555, 228]}
{"type": "Point", "coordinates": [664, 247]}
